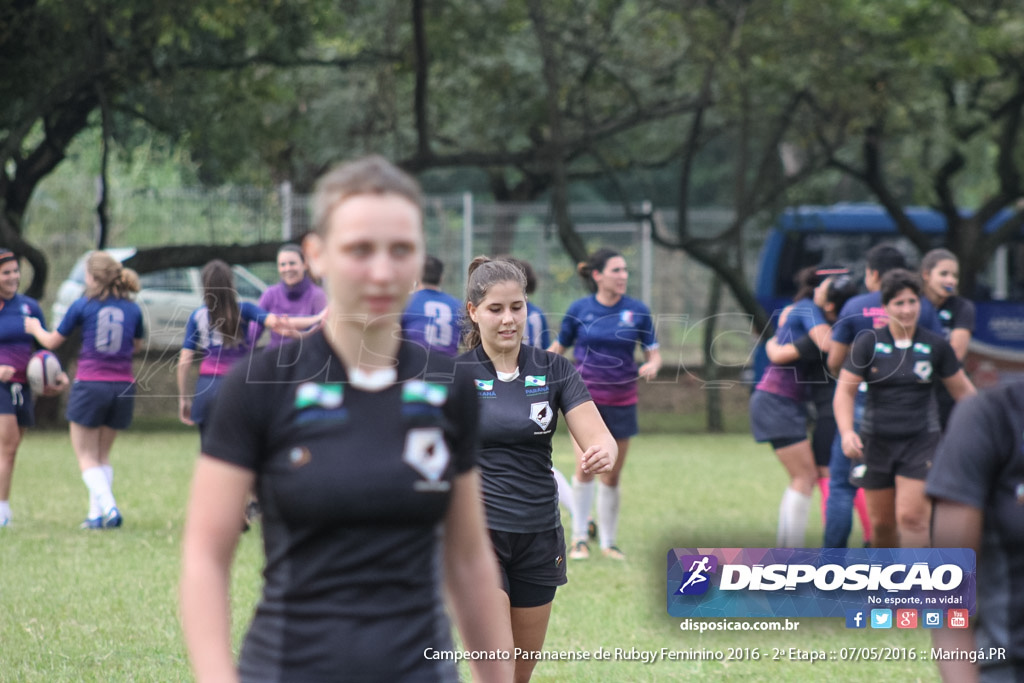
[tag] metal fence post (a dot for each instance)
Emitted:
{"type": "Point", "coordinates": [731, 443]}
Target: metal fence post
{"type": "Point", "coordinates": [467, 236]}
{"type": "Point", "coordinates": [287, 229]}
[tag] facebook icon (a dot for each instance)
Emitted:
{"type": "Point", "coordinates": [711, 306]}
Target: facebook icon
{"type": "Point", "coordinates": [855, 618]}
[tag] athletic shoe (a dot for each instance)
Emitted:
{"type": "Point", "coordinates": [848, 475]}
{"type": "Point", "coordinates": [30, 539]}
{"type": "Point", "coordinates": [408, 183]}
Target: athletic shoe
{"type": "Point", "coordinates": [613, 553]}
{"type": "Point", "coordinates": [92, 523]}
{"type": "Point", "coordinates": [580, 551]}
{"type": "Point", "coordinates": [112, 519]}
{"type": "Point", "coordinates": [591, 529]}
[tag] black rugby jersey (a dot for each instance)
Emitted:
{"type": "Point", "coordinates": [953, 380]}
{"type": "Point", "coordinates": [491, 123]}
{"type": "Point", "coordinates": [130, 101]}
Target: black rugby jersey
{"type": "Point", "coordinates": [956, 313]}
{"type": "Point", "coordinates": [353, 487]}
{"type": "Point", "coordinates": [900, 397]}
{"type": "Point", "coordinates": [980, 463]}
{"type": "Point", "coordinates": [517, 421]}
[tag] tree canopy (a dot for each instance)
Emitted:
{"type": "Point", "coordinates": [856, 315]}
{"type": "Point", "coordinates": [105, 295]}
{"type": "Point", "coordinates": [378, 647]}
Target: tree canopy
{"type": "Point", "coordinates": [749, 104]}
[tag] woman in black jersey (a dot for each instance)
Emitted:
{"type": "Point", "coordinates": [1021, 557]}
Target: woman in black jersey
{"type": "Point", "coordinates": [940, 271]}
{"type": "Point", "coordinates": [362, 451]}
{"type": "Point", "coordinates": [901, 363]}
{"type": "Point", "coordinates": [521, 389]}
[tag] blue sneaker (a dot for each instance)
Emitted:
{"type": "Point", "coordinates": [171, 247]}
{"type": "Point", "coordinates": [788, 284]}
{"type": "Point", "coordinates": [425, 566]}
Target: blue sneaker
{"type": "Point", "coordinates": [6, 521]}
{"type": "Point", "coordinates": [112, 519]}
{"type": "Point", "coordinates": [92, 523]}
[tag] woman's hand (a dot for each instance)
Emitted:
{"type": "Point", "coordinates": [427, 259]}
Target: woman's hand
{"type": "Point", "coordinates": [185, 411]}
{"type": "Point", "coordinates": [596, 460]}
{"type": "Point", "coordinates": [853, 447]}
{"type": "Point", "coordinates": [62, 383]}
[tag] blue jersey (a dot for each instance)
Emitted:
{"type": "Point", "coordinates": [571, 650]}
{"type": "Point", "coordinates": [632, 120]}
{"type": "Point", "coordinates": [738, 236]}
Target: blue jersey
{"type": "Point", "coordinates": [804, 315]}
{"type": "Point", "coordinates": [431, 320]}
{"type": "Point", "coordinates": [199, 337]}
{"type": "Point", "coordinates": [537, 332]}
{"type": "Point", "coordinates": [605, 338]}
{"type": "Point", "coordinates": [109, 329]}
{"type": "Point", "coordinates": [865, 312]}
{"type": "Point", "coordinates": [17, 345]}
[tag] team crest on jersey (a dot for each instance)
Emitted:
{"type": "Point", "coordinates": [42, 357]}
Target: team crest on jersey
{"type": "Point", "coordinates": [626, 319]}
{"type": "Point", "coordinates": [946, 315]}
{"type": "Point", "coordinates": [1020, 494]}
{"type": "Point", "coordinates": [923, 369]}
{"type": "Point", "coordinates": [25, 310]}
{"type": "Point", "coordinates": [882, 347]}
{"type": "Point", "coordinates": [484, 384]}
{"type": "Point", "coordinates": [427, 452]}
{"type": "Point", "coordinates": [923, 348]}
{"type": "Point", "coordinates": [541, 414]}
{"type": "Point", "coordinates": [536, 380]}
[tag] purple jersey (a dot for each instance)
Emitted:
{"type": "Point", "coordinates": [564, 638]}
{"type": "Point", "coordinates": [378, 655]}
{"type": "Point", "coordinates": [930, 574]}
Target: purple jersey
{"type": "Point", "coordinates": [605, 338]}
{"type": "Point", "coordinates": [784, 380]}
{"type": "Point", "coordinates": [16, 345]}
{"type": "Point", "coordinates": [218, 359]}
{"type": "Point", "coordinates": [431, 320]}
{"type": "Point", "coordinates": [305, 298]}
{"type": "Point", "coordinates": [109, 329]}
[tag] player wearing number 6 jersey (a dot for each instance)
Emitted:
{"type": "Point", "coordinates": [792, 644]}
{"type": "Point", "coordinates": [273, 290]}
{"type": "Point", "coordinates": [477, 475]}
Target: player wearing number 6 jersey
{"type": "Point", "coordinates": [431, 318]}
{"type": "Point", "coordinates": [103, 396]}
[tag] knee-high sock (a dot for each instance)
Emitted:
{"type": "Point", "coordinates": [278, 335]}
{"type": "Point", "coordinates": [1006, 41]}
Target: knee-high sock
{"type": "Point", "coordinates": [823, 485]}
{"type": "Point", "coordinates": [607, 514]}
{"type": "Point", "coordinates": [99, 488]}
{"type": "Point", "coordinates": [583, 498]}
{"type": "Point", "coordinates": [565, 496]}
{"type": "Point", "coordinates": [95, 510]}
{"type": "Point", "coordinates": [860, 504]}
{"type": "Point", "coordinates": [5, 511]}
{"type": "Point", "coordinates": [792, 519]}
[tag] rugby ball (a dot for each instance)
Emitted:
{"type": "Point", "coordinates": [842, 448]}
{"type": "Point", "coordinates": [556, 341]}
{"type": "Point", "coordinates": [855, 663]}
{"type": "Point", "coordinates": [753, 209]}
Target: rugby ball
{"type": "Point", "coordinates": [43, 371]}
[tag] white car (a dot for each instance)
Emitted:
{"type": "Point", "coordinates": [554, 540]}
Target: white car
{"type": "Point", "coordinates": [167, 297]}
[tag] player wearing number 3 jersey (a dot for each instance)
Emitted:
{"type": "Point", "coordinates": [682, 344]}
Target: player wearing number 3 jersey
{"type": "Point", "coordinates": [431, 318]}
{"type": "Point", "coordinates": [103, 396]}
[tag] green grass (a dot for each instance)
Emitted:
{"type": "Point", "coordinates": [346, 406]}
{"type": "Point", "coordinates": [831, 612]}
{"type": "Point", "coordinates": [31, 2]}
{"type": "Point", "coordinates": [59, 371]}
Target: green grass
{"type": "Point", "coordinates": [101, 606]}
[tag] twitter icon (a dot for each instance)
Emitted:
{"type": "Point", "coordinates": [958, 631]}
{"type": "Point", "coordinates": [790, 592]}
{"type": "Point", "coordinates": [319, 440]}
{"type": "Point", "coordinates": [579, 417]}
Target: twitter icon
{"type": "Point", "coordinates": [881, 618]}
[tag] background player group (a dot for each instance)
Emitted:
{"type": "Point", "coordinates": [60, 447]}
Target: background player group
{"type": "Point", "coordinates": [893, 425]}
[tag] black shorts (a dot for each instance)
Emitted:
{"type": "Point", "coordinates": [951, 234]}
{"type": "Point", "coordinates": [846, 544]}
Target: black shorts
{"type": "Point", "coordinates": [886, 458]}
{"type": "Point", "coordinates": [775, 418]}
{"type": "Point", "coordinates": [536, 560]}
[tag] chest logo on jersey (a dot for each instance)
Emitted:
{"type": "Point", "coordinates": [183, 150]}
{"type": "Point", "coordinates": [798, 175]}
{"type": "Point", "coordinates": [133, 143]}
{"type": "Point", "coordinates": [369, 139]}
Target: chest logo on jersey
{"type": "Point", "coordinates": [416, 391]}
{"type": "Point", "coordinates": [541, 414]}
{"type": "Point", "coordinates": [626, 319]}
{"type": "Point", "coordinates": [316, 402]}
{"type": "Point", "coordinates": [485, 388]}
{"type": "Point", "coordinates": [536, 384]}
{"type": "Point", "coordinates": [923, 348]}
{"type": "Point", "coordinates": [427, 453]}
{"type": "Point", "coordinates": [883, 348]}
{"type": "Point", "coordinates": [923, 369]}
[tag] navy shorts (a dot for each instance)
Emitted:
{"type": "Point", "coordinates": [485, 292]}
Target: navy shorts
{"type": "Point", "coordinates": [620, 420]}
{"type": "Point", "coordinates": [530, 560]}
{"type": "Point", "coordinates": [101, 404]}
{"type": "Point", "coordinates": [886, 458]}
{"type": "Point", "coordinates": [777, 418]}
{"type": "Point", "coordinates": [16, 399]}
{"type": "Point", "coordinates": [207, 388]}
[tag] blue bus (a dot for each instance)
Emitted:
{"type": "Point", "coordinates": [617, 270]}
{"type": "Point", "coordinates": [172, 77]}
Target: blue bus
{"type": "Point", "coordinates": [842, 233]}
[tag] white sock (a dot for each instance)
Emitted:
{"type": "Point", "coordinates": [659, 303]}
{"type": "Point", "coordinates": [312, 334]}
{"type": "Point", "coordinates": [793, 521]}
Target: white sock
{"type": "Point", "coordinates": [5, 511]}
{"type": "Point", "coordinates": [583, 498]}
{"type": "Point", "coordinates": [99, 488]}
{"type": "Point", "coordinates": [607, 514]}
{"type": "Point", "coordinates": [95, 509]}
{"type": "Point", "coordinates": [792, 519]}
{"type": "Point", "coordinates": [108, 470]}
{"type": "Point", "coordinates": [565, 496]}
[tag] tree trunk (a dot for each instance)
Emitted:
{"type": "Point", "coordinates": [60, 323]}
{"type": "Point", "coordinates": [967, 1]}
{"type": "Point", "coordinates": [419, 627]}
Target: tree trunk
{"type": "Point", "coordinates": [713, 397]}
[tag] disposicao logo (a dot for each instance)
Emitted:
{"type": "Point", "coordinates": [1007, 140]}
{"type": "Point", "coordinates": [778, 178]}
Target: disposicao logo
{"type": "Point", "coordinates": [821, 582]}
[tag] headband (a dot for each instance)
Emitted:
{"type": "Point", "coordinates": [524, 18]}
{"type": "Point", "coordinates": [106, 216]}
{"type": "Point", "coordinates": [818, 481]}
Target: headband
{"type": "Point", "coordinates": [6, 255]}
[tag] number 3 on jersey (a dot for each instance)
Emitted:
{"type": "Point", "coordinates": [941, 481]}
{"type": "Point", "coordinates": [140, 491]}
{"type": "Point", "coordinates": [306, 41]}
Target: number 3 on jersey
{"type": "Point", "coordinates": [439, 330]}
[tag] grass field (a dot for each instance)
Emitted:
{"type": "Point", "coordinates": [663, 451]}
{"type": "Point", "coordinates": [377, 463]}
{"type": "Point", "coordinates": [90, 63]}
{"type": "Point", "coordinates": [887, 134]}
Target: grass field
{"type": "Point", "coordinates": [101, 606]}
